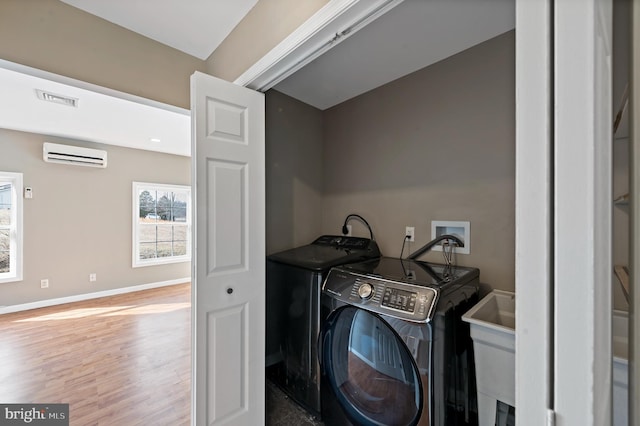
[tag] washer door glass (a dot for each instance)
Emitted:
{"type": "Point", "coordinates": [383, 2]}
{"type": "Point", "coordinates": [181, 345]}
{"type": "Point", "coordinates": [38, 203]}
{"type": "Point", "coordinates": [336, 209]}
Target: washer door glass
{"type": "Point", "coordinates": [370, 370]}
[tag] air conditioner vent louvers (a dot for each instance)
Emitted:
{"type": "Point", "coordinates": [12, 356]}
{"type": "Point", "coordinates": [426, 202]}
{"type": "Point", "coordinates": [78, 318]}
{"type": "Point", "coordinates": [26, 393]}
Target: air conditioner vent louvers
{"type": "Point", "coordinates": [74, 155]}
{"type": "Point", "coordinates": [58, 99]}
{"type": "Point", "coordinates": [80, 157]}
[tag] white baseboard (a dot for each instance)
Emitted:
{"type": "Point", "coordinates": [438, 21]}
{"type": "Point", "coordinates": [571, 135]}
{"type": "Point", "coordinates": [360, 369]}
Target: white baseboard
{"type": "Point", "coordinates": [87, 296]}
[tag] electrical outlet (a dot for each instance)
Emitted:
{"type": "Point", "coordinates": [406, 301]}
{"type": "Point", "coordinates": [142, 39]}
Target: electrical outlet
{"type": "Point", "coordinates": [410, 231]}
{"type": "Point", "coordinates": [92, 277]}
{"type": "Point", "coordinates": [348, 230]}
{"type": "Point", "coordinates": [44, 283]}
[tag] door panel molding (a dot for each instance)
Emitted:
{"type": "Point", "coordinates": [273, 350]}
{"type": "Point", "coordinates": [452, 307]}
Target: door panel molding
{"type": "Point", "coordinates": [227, 333]}
{"type": "Point", "coordinates": [227, 179]}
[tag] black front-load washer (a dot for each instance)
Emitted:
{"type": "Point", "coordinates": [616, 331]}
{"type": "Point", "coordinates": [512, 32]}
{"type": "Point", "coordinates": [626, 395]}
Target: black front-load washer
{"type": "Point", "coordinates": [394, 350]}
{"type": "Point", "coordinates": [294, 280]}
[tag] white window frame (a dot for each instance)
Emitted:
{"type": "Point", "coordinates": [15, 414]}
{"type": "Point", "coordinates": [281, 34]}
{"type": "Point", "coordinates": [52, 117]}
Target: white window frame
{"type": "Point", "coordinates": [15, 229]}
{"type": "Point", "coordinates": [137, 188]}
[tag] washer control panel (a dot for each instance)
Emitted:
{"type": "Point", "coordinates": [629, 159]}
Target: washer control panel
{"type": "Point", "coordinates": [400, 299]}
{"type": "Point", "coordinates": [397, 299]}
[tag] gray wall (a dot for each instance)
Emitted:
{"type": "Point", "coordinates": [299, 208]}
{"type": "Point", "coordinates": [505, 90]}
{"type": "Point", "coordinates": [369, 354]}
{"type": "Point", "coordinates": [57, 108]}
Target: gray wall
{"type": "Point", "coordinates": [294, 172]}
{"type": "Point", "coordinates": [438, 144]}
{"type": "Point", "coordinates": [621, 151]}
{"type": "Point", "coordinates": [79, 220]}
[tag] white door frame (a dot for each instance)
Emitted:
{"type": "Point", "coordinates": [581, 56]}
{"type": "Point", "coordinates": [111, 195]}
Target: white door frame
{"type": "Point", "coordinates": [563, 169]}
{"type": "Point", "coordinates": [583, 207]}
{"type": "Point", "coordinates": [331, 25]}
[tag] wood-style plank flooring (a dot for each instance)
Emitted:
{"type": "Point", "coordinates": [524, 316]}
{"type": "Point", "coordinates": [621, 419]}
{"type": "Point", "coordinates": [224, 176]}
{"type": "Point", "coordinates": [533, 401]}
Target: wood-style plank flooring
{"type": "Point", "coordinates": [120, 360]}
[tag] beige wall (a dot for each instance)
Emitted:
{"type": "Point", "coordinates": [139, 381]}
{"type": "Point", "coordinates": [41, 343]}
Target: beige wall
{"type": "Point", "coordinates": [266, 25]}
{"type": "Point", "coordinates": [52, 36]}
{"type": "Point", "coordinates": [438, 144]}
{"type": "Point", "coordinates": [294, 172]}
{"type": "Point", "coordinates": [79, 220]}
{"type": "Point", "coordinates": [55, 37]}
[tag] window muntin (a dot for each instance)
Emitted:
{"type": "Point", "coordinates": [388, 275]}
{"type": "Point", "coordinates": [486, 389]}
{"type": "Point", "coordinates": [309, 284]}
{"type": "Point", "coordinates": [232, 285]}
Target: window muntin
{"type": "Point", "coordinates": [10, 227]}
{"type": "Point", "coordinates": [161, 224]}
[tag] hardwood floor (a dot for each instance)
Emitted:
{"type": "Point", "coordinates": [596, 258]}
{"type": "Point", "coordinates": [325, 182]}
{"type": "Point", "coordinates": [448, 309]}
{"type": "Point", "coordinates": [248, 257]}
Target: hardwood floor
{"type": "Point", "coordinates": [120, 360]}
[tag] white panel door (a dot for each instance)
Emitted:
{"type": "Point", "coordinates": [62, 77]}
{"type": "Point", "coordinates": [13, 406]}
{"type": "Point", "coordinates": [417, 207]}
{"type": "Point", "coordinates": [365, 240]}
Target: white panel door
{"type": "Point", "coordinates": [229, 253]}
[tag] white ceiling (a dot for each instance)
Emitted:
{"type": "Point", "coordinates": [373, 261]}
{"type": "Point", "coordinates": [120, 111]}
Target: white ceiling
{"type": "Point", "coordinates": [413, 35]}
{"type": "Point", "coordinates": [102, 116]}
{"type": "Point", "coordinates": [196, 27]}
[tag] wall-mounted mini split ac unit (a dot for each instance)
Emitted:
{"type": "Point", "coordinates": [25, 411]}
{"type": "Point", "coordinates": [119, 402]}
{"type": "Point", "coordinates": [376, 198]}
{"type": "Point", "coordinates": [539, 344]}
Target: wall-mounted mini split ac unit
{"type": "Point", "coordinates": [74, 155]}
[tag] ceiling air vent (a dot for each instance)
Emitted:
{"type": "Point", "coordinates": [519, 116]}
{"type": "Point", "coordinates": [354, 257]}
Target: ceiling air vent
{"type": "Point", "coordinates": [57, 99]}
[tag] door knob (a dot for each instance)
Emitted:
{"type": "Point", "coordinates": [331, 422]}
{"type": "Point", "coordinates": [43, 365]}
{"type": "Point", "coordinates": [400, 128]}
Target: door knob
{"type": "Point", "coordinates": [229, 290]}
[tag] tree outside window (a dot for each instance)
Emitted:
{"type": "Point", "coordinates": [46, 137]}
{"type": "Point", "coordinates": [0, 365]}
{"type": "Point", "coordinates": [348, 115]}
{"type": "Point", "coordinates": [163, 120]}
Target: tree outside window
{"type": "Point", "coordinates": [162, 225]}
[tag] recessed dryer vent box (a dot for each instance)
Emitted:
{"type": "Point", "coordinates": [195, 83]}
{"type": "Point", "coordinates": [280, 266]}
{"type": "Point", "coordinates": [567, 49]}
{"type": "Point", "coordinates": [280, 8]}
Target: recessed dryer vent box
{"type": "Point", "coordinates": [461, 229]}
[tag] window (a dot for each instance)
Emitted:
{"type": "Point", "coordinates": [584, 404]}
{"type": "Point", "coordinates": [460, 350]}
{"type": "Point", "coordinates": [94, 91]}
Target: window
{"type": "Point", "coordinates": [161, 224]}
{"type": "Point", "coordinates": [10, 227]}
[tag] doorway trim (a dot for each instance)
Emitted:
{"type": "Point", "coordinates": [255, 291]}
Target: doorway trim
{"type": "Point", "coordinates": [330, 26]}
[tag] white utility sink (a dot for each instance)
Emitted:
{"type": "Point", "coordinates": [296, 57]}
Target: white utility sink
{"type": "Point", "coordinates": [492, 326]}
{"type": "Point", "coordinates": [492, 322]}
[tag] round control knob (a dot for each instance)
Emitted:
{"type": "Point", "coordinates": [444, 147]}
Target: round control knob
{"type": "Point", "coordinates": [365, 291]}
